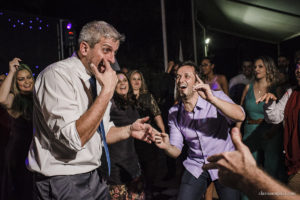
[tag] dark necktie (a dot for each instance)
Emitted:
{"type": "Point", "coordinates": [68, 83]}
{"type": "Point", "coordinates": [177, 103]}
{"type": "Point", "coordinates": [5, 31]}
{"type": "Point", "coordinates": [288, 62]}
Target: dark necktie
{"type": "Point", "coordinates": [105, 159]}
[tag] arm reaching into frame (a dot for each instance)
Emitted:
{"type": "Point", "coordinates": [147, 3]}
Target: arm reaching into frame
{"type": "Point", "coordinates": [238, 170]}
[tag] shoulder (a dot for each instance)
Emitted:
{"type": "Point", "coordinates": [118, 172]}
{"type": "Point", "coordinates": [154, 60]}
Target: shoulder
{"type": "Point", "coordinates": [61, 69]}
{"type": "Point", "coordinates": [174, 108]}
{"type": "Point", "coordinates": [221, 77]}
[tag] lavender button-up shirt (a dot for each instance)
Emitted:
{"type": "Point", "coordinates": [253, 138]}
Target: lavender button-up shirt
{"type": "Point", "coordinates": [205, 130]}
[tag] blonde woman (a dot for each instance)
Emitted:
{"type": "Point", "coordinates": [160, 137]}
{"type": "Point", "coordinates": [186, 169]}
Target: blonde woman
{"type": "Point", "coordinates": [16, 98]}
{"type": "Point", "coordinates": [149, 154]}
{"type": "Point", "coordinates": [264, 141]}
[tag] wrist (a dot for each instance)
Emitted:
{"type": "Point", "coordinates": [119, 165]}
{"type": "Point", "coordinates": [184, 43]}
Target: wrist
{"type": "Point", "coordinates": [129, 130]}
{"type": "Point", "coordinates": [213, 100]}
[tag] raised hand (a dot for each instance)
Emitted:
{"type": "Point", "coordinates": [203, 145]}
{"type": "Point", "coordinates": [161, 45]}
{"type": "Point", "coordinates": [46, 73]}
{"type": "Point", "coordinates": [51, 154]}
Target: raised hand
{"type": "Point", "coordinates": [266, 98]}
{"type": "Point", "coordinates": [14, 65]}
{"type": "Point", "coordinates": [203, 90]}
{"type": "Point", "coordinates": [106, 76]}
{"type": "Point", "coordinates": [142, 131]}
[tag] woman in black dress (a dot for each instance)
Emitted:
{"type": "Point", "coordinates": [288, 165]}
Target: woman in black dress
{"type": "Point", "coordinates": [16, 98]}
{"type": "Point", "coordinates": [125, 179]}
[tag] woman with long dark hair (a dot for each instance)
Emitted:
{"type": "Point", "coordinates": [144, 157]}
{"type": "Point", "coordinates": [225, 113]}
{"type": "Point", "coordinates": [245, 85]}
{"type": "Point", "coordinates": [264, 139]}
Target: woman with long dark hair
{"type": "Point", "coordinates": [16, 97]}
{"type": "Point", "coordinates": [125, 180]}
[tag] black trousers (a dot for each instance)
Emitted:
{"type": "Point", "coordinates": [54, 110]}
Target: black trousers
{"type": "Point", "coordinates": [87, 186]}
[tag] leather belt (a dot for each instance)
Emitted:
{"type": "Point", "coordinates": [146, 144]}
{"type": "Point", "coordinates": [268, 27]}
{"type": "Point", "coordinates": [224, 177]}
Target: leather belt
{"type": "Point", "coordinates": [254, 121]}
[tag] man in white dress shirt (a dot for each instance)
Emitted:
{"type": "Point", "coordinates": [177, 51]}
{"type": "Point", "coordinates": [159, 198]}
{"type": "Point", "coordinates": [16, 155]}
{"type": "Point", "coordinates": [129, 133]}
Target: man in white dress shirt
{"type": "Point", "coordinates": [67, 144]}
{"type": "Point", "coordinates": [238, 82]}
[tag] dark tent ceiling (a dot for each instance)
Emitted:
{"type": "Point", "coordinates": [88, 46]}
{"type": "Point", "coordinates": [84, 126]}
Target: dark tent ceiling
{"type": "Point", "coordinates": [265, 20]}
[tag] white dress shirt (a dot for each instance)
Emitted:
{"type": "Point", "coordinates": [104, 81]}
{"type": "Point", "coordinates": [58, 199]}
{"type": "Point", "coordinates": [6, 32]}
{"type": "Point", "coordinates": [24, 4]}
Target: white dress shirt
{"type": "Point", "coordinates": [61, 95]}
{"type": "Point", "coordinates": [274, 112]}
{"type": "Point", "coordinates": [238, 79]}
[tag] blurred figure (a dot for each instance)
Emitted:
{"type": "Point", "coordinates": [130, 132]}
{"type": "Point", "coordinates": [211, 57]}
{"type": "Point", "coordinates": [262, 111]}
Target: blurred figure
{"type": "Point", "coordinates": [16, 97]}
{"type": "Point", "coordinates": [149, 156]}
{"type": "Point", "coordinates": [238, 83]}
{"type": "Point", "coordinates": [283, 76]}
{"type": "Point", "coordinates": [125, 181]}
{"type": "Point", "coordinates": [283, 64]}
{"type": "Point", "coordinates": [287, 110]}
{"type": "Point", "coordinates": [216, 81]}
{"type": "Point", "coordinates": [5, 120]}
{"type": "Point", "coordinates": [124, 70]}
{"type": "Point", "coordinates": [263, 140]}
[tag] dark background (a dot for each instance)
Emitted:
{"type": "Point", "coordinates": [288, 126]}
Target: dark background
{"type": "Point", "coordinates": [140, 21]}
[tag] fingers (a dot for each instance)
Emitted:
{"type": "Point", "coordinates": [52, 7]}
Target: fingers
{"type": "Point", "coordinates": [107, 65]}
{"type": "Point", "coordinates": [267, 97]}
{"type": "Point", "coordinates": [237, 139]}
{"type": "Point", "coordinates": [215, 158]}
{"type": "Point", "coordinates": [199, 80]}
{"type": "Point", "coordinates": [210, 166]}
{"type": "Point", "coordinates": [94, 69]}
{"type": "Point", "coordinates": [143, 120]}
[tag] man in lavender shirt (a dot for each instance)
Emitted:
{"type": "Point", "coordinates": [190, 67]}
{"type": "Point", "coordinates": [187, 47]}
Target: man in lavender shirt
{"type": "Point", "coordinates": [202, 121]}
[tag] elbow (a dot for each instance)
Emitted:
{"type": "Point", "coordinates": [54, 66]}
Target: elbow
{"type": "Point", "coordinates": [241, 115]}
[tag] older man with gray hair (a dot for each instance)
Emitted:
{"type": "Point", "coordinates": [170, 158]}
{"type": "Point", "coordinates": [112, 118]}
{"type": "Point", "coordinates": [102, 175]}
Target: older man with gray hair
{"type": "Point", "coordinates": [71, 119]}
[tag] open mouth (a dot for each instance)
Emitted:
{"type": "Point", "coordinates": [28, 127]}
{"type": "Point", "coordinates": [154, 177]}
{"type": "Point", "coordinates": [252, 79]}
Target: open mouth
{"type": "Point", "coordinates": [182, 86]}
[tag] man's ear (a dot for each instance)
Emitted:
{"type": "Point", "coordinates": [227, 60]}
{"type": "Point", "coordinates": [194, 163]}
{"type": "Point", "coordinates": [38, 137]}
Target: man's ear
{"type": "Point", "coordinates": [213, 66]}
{"type": "Point", "coordinates": [84, 47]}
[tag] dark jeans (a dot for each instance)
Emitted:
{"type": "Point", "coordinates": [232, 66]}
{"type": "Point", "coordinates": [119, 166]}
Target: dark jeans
{"type": "Point", "coordinates": [192, 188]}
{"type": "Point", "coordinates": [87, 186]}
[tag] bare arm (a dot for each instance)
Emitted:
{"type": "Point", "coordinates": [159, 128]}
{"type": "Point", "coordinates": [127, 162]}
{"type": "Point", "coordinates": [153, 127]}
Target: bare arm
{"type": "Point", "coordinates": [231, 110]}
{"type": "Point", "coordinates": [88, 123]}
{"type": "Point", "coordinates": [6, 98]}
{"type": "Point", "coordinates": [224, 84]}
{"type": "Point", "coordinates": [138, 130]}
{"type": "Point", "coordinates": [159, 122]}
{"type": "Point", "coordinates": [162, 141]}
{"type": "Point", "coordinates": [239, 124]}
{"type": "Point", "coordinates": [238, 170]}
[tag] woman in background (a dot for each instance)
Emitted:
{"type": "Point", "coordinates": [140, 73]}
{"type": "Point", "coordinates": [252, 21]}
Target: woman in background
{"type": "Point", "coordinates": [16, 97]}
{"type": "Point", "coordinates": [125, 180]}
{"type": "Point", "coordinates": [264, 140]}
{"type": "Point", "coordinates": [149, 155]}
{"type": "Point", "coordinates": [215, 81]}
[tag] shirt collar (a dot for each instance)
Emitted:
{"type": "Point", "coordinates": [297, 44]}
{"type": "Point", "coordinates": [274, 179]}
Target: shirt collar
{"type": "Point", "coordinates": [201, 103]}
{"type": "Point", "coordinates": [83, 73]}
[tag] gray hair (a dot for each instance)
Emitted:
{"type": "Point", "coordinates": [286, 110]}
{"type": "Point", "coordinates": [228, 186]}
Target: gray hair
{"type": "Point", "coordinates": [93, 31]}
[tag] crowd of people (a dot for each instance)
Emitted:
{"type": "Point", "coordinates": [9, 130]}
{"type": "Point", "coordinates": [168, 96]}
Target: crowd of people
{"type": "Point", "coordinates": [82, 130]}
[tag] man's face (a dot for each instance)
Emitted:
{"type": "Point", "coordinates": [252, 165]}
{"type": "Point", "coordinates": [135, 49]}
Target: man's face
{"type": "Point", "coordinates": [2, 78]}
{"type": "Point", "coordinates": [105, 49]}
{"type": "Point", "coordinates": [247, 68]}
{"type": "Point", "coordinates": [283, 62]}
{"type": "Point", "coordinates": [185, 80]}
